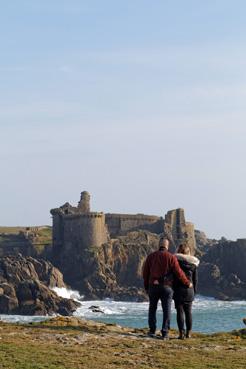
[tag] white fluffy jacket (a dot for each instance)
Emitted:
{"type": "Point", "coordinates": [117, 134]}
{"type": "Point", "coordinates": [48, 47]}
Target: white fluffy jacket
{"type": "Point", "coordinates": [189, 258]}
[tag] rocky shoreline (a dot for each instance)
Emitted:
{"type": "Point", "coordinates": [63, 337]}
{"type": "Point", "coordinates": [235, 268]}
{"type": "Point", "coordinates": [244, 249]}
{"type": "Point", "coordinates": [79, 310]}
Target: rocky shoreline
{"type": "Point", "coordinates": [102, 255]}
{"type": "Point", "coordinates": [25, 288]}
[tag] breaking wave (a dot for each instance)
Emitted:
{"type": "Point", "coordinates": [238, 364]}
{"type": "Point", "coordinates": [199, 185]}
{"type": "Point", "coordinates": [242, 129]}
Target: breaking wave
{"type": "Point", "coordinates": [68, 293]}
{"type": "Point", "coordinates": [210, 315]}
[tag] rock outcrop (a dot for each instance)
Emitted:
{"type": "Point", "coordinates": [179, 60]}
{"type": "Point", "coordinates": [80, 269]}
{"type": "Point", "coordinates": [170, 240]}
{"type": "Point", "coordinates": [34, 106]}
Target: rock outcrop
{"type": "Point", "coordinates": [113, 270]}
{"type": "Point", "coordinates": [25, 287]}
{"type": "Point", "coordinates": [101, 255]}
{"type": "Point", "coordinates": [222, 272]}
{"type": "Point", "coordinates": [203, 243]}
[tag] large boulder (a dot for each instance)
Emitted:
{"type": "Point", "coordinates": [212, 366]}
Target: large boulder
{"type": "Point", "coordinates": [25, 285]}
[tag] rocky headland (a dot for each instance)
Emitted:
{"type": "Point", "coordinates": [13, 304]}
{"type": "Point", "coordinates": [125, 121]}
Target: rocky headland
{"type": "Point", "coordinates": [101, 255]}
{"type": "Point", "coordinates": [222, 272]}
{"type": "Point", "coordinates": [25, 287]}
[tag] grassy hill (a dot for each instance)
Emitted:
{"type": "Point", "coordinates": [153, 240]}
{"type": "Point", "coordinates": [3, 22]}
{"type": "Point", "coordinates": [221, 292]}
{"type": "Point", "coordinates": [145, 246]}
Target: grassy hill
{"type": "Point", "coordinates": [69, 343]}
{"type": "Point", "coordinates": [24, 239]}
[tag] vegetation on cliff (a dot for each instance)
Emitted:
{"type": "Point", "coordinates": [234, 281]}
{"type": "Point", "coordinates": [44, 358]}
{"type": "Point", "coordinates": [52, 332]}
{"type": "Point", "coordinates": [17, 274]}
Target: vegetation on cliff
{"type": "Point", "coordinates": [32, 241]}
{"type": "Point", "coordinates": [70, 343]}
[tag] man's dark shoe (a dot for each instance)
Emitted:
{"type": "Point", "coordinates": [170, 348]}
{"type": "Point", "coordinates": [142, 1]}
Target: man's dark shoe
{"type": "Point", "coordinates": [165, 337]}
{"type": "Point", "coordinates": [151, 334]}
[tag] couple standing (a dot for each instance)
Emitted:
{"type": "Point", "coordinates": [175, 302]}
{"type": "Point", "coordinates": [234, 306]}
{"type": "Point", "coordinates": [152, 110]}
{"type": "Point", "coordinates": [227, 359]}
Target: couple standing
{"type": "Point", "coordinates": [166, 277]}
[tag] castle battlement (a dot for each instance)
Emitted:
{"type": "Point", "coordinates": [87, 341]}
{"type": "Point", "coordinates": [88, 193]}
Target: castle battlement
{"type": "Point", "coordinates": [82, 215]}
{"type": "Point", "coordinates": [78, 228]}
{"type": "Point", "coordinates": [132, 216]}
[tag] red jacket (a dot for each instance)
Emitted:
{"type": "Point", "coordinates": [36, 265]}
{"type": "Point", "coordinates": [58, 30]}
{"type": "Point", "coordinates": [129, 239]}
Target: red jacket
{"type": "Point", "coordinates": [160, 263]}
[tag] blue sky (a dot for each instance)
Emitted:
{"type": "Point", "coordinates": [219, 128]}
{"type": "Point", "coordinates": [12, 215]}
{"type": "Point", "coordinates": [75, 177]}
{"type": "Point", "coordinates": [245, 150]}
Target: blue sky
{"type": "Point", "coordinates": [141, 103]}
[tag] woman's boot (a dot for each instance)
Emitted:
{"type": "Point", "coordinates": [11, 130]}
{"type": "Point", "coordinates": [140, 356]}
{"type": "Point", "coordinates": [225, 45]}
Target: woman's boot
{"type": "Point", "coordinates": [181, 335]}
{"type": "Point", "coordinates": [188, 334]}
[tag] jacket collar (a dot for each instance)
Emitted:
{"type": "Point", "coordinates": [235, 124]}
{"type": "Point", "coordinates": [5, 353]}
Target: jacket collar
{"type": "Point", "coordinates": [189, 258]}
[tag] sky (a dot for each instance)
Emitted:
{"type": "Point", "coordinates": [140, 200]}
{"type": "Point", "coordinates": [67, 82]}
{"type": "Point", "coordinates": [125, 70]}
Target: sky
{"type": "Point", "coordinates": [141, 103]}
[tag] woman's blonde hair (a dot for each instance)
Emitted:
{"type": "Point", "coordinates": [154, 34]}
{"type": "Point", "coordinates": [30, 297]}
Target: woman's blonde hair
{"type": "Point", "coordinates": [183, 249]}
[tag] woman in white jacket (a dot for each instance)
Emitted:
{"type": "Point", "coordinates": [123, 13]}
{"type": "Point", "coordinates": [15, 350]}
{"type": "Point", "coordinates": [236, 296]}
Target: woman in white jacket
{"type": "Point", "coordinates": [183, 296]}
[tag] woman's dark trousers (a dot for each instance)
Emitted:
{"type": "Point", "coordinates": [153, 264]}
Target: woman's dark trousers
{"type": "Point", "coordinates": [184, 316]}
{"type": "Point", "coordinates": [165, 294]}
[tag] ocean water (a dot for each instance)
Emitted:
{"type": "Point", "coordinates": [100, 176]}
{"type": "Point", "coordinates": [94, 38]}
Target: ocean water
{"type": "Point", "coordinates": [209, 315]}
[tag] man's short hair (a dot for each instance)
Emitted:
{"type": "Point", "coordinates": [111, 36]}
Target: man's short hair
{"type": "Point", "coordinates": [162, 239]}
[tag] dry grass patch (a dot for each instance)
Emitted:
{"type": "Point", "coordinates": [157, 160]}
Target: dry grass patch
{"type": "Point", "coordinates": [70, 343]}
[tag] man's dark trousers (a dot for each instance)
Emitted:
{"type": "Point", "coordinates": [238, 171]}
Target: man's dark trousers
{"type": "Point", "coordinates": [165, 294]}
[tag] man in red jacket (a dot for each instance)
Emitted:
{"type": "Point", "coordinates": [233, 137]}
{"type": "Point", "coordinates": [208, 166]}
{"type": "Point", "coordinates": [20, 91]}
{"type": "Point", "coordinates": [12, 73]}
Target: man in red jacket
{"type": "Point", "coordinates": [158, 270]}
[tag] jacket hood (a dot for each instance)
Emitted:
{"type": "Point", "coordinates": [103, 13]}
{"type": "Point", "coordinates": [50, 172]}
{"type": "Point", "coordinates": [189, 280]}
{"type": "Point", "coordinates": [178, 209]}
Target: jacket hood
{"type": "Point", "coordinates": [189, 259]}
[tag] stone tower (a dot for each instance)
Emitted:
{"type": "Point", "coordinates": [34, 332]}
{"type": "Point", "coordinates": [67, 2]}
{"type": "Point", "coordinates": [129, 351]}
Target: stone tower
{"type": "Point", "coordinates": [177, 230]}
{"type": "Point", "coordinates": [77, 228]}
{"type": "Point", "coordinates": [84, 202]}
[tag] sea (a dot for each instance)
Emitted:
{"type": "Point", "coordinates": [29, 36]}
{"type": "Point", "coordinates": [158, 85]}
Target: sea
{"type": "Point", "coordinates": [209, 315]}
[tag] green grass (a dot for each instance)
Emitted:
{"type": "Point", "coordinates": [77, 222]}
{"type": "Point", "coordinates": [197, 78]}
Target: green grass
{"type": "Point", "coordinates": [11, 240]}
{"type": "Point", "coordinates": [11, 230]}
{"type": "Point", "coordinates": [65, 343]}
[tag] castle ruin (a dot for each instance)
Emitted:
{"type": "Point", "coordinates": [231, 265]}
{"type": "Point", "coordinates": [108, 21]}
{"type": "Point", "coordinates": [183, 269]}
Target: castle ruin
{"type": "Point", "coordinates": [77, 228]}
{"type": "Point", "coordinates": [101, 255]}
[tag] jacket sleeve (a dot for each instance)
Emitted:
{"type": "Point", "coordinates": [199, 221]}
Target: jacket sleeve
{"type": "Point", "coordinates": [179, 272]}
{"type": "Point", "coordinates": [195, 280]}
{"type": "Point", "coordinates": [146, 273]}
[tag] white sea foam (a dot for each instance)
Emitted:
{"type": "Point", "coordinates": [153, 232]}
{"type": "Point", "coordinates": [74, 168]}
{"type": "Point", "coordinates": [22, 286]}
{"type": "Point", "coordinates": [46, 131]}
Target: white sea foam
{"type": "Point", "coordinates": [22, 318]}
{"type": "Point", "coordinates": [204, 303]}
{"type": "Point", "coordinates": [110, 308]}
{"type": "Point", "coordinates": [68, 293]}
{"type": "Point", "coordinates": [107, 308]}
{"type": "Point", "coordinates": [210, 315]}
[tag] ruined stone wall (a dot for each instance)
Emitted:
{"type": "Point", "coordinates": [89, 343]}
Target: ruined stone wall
{"type": "Point", "coordinates": [72, 225]}
{"type": "Point", "coordinates": [120, 224]}
{"type": "Point", "coordinates": [190, 236]}
{"type": "Point", "coordinates": [57, 229]}
{"type": "Point", "coordinates": [177, 230]}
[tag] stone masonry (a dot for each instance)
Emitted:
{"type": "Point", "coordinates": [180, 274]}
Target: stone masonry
{"type": "Point", "coordinates": [77, 228]}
